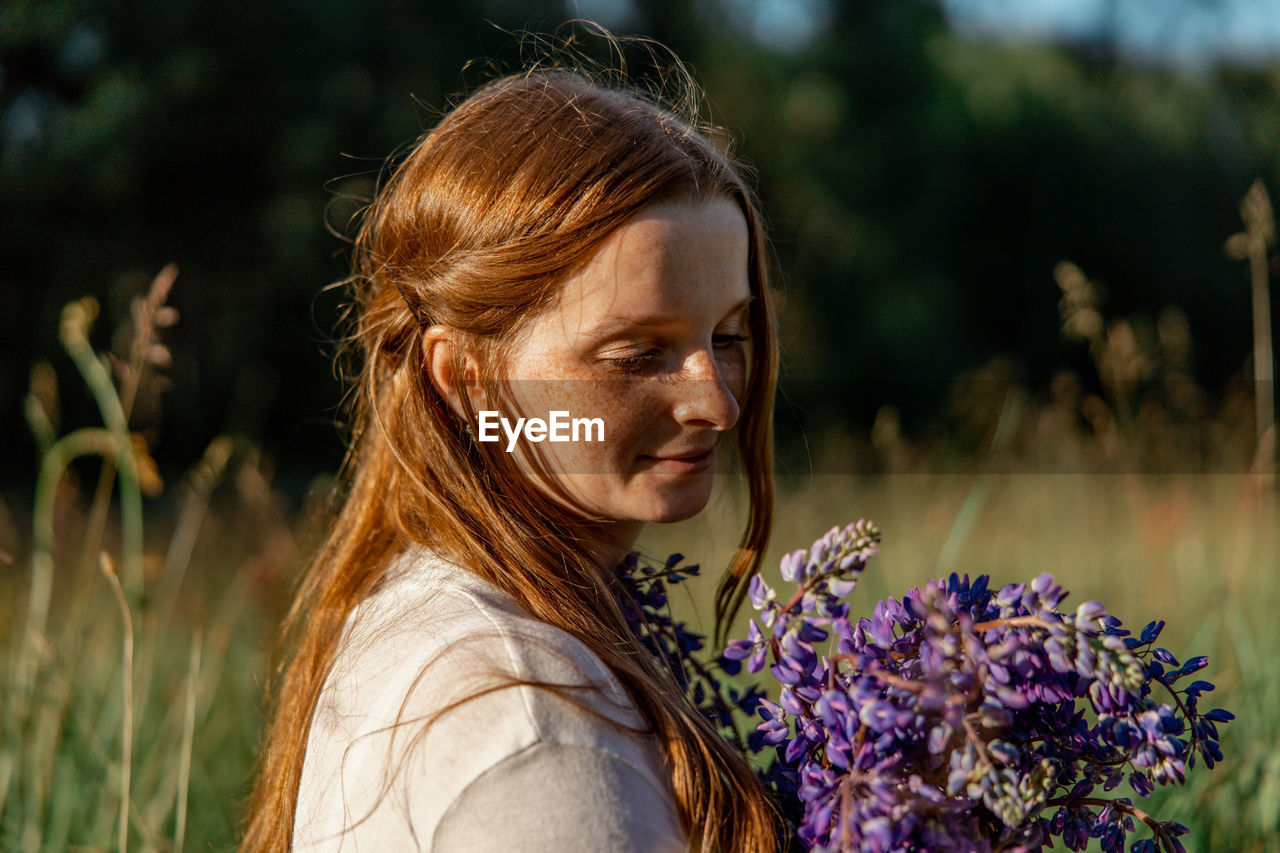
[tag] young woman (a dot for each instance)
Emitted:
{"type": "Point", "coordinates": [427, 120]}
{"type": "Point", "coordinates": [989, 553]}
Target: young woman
{"type": "Point", "coordinates": [463, 676]}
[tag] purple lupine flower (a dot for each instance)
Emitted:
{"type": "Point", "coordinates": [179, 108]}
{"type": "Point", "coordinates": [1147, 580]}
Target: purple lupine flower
{"type": "Point", "coordinates": [958, 717]}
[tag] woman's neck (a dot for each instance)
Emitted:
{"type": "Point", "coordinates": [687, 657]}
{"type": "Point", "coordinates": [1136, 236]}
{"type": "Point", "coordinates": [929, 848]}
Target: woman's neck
{"type": "Point", "coordinates": [619, 540]}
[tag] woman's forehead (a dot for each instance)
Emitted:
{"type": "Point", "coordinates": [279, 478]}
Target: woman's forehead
{"type": "Point", "coordinates": [669, 260]}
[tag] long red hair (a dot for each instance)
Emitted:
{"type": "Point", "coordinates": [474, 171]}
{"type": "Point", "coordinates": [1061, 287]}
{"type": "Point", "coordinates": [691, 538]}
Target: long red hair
{"type": "Point", "coordinates": [514, 189]}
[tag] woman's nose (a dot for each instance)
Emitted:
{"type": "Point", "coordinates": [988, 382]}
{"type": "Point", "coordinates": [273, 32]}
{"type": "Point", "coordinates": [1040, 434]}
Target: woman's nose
{"type": "Point", "coordinates": [703, 397]}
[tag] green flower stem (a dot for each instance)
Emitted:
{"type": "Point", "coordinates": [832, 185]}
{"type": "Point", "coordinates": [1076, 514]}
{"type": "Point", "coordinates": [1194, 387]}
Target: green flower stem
{"type": "Point", "coordinates": [1019, 622]}
{"type": "Point", "coordinates": [791, 608]}
{"type": "Point", "coordinates": [1166, 843]}
{"type": "Point", "coordinates": [74, 335]}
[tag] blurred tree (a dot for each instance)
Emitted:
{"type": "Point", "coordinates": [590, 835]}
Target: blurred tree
{"type": "Point", "coordinates": [210, 134]}
{"type": "Point", "coordinates": [921, 186]}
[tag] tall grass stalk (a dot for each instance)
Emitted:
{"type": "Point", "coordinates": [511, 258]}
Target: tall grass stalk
{"type": "Point", "coordinates": [76, 718]}
{"type": "Point", "coordinates": [1010, 415]}
{"type": "Point", "coordinates": [26, 754]}
{"type": "Point", "coordinates": [188, 739]}
{"type": "Point", "coordinates": [126, 686]}
{"type": "Point", "coordinates": [85, 442]}
{"type": "Point", "coordinates": [113, 443]}
{"type": "Point", "coordinates": [1252, 245]}
{"type": "Point", "coordinates": [193, 507]}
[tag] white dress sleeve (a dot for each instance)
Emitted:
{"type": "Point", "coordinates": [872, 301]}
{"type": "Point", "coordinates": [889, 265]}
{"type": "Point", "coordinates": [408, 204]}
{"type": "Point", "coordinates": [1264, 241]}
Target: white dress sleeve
{"type": "Point", "coordinates": [553, 798]}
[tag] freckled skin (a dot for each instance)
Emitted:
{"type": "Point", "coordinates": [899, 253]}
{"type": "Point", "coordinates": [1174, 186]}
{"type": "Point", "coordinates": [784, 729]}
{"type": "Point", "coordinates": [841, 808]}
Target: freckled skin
{"type": "Point", "coordinates": [666, 375]}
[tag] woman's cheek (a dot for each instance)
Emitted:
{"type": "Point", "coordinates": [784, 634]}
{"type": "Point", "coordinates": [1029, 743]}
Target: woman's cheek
{"type": "Point", "coordinates": [634, 419]}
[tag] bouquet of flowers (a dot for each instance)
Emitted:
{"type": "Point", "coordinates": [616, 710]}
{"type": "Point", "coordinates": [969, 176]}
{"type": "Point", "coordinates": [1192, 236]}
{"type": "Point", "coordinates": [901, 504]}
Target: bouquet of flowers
{"type": "Point", "coordinates": [960, 717]}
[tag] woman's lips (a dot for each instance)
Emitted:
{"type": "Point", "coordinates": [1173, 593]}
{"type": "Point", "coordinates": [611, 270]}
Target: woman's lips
{"type": "Point", "coordinates": [691, 464]}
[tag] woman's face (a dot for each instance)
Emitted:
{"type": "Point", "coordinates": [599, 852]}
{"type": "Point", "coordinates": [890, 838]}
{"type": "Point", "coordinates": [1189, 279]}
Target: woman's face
{"type": "Point", "coordinates": [650, 337]}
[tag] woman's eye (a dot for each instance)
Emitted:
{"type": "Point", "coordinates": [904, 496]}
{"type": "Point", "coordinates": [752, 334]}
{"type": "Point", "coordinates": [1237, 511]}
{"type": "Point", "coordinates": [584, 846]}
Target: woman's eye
{"type": "Point", "coordinates": [633, 361]}
{"type": "Point", "coordinates": [650, 357]}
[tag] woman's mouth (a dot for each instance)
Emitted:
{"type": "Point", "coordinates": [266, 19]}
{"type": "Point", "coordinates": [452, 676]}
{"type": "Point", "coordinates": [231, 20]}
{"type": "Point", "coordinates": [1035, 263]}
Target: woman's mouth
{"type": "Point", "coordinates": [692, 463]}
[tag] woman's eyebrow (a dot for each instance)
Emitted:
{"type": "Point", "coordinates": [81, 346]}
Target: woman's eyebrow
{"type": "Point", "coordinates": [619, 322]}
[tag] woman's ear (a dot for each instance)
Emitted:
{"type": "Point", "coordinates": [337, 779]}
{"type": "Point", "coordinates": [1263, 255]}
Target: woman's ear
{"type": "Point", "coordinates": [441, 346]}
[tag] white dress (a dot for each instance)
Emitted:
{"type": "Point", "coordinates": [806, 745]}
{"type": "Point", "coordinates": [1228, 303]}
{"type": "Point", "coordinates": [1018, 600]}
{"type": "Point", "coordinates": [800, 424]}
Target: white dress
{"type": "Point", "coordinates": [517, 769]}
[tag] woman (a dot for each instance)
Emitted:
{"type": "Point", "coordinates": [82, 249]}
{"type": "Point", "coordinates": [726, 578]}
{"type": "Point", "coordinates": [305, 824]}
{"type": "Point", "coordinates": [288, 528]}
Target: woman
{"type": "Point", "coordinates": [463, 675]}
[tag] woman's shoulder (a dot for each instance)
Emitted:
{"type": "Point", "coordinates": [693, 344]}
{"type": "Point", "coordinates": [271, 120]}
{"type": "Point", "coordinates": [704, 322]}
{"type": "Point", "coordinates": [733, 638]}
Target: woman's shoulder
{"type": "Point", "coordinates": [435, 623]}
{"type": "Point", "coordinates": [425, 697]}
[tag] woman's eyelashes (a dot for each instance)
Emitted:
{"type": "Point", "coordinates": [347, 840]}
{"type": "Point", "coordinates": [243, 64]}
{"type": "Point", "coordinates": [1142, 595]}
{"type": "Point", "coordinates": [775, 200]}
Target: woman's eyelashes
{"type": "Point", "coordinates": [651, 357]}
{"type": "Point", "coordinates": [635, 362]}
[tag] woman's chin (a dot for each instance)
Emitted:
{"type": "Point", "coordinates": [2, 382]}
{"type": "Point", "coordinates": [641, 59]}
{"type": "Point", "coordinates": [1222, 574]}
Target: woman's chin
{"type": "Point", "coordinates": [668, 506]}
{"type": "Point", "coordinates": [645, 499]}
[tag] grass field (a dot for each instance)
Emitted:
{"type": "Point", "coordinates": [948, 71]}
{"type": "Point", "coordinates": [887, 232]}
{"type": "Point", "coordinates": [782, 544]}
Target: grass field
{"type": "Point", "coordinates": [1193, 550]}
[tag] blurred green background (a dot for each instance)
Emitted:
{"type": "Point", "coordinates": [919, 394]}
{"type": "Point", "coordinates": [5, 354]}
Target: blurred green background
{"type": "Point", "coordinates": [923, 167]}
{"type": "Point", "coordinates": [1021, 246]}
